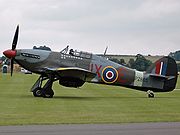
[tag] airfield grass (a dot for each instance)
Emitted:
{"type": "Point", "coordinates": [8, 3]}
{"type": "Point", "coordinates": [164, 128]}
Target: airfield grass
{"type": "Point", "coordinates": [92, 103]}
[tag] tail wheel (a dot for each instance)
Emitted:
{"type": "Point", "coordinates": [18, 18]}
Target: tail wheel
{"type": "Point", "coordinates": [150, 94]}
{"type": "Point", "coordinates": [37, 92]}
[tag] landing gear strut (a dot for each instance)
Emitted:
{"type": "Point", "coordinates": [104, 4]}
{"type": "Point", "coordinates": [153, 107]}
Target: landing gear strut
{"type": "Point", "coordinates": [45, 91]}
{"type": "Point", "coordinates": [150, 94]}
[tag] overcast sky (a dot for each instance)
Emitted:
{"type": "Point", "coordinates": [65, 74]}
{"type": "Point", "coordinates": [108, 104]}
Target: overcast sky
{"type": "Point", "coordinates": [125, 26]}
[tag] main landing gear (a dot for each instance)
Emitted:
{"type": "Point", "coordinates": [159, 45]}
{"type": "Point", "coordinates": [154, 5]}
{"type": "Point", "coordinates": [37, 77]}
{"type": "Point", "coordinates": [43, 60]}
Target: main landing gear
{"type": "Point", "coordinates": [45, 91]}
{"type": "Point", "coordinates": [150, 94]}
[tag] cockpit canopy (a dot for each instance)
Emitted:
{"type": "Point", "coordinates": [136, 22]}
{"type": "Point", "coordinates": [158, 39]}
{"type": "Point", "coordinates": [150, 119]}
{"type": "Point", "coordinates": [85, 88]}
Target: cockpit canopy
{"type": "Point", "coordinates": [76, 53]}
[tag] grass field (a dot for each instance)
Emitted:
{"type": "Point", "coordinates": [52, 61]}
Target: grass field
{"type": "Point", "coordinates": [90, 104]}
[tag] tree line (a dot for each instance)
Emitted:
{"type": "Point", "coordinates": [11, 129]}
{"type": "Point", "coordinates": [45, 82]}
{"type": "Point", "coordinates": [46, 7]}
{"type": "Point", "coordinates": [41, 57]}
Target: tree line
{"type": "Point", "coordinates": [176, 56]}
{"type": "Point", "coordinates": [140, 62]}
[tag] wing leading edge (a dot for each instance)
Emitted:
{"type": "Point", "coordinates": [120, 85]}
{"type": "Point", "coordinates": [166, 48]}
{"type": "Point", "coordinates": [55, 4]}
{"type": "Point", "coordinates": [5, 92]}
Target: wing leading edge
{"type": "Point", "coordinates": [73, 72]}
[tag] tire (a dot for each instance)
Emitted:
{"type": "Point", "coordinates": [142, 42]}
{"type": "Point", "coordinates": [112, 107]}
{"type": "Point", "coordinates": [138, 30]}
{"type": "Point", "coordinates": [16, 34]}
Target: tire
{"type": "Point", "coordinates": [37, 92]}
{"type": "Point", "coordinates": [151, 95]}
{"type": "Point", "coordinates": [48, 94]}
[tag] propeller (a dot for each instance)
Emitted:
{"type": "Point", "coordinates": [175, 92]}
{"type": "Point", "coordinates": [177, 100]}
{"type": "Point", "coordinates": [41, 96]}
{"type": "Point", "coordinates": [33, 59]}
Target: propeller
{"type": "Point", "coordinates": [12, 53]}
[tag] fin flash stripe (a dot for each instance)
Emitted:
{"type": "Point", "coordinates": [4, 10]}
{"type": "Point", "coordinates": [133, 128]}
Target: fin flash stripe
{"type": "Point", "coordinates": [161, 68]}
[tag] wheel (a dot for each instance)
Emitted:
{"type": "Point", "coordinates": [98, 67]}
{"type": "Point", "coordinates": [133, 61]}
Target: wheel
{"type": "Point", "coordinates": [37, 92]}
{"type": "Point", "coordinates": [48, 94]}
{"type": "Point", "coordinates": [150, 94]}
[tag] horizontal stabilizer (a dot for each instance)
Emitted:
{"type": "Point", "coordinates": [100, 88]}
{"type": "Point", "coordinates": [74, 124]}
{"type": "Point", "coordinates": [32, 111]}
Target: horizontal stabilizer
{"type": "Point", "coordinates": [158, 76]}
{"type": "Point", "coordinates": [162, 76]}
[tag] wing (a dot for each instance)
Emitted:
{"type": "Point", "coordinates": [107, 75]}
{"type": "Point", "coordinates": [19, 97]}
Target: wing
{"type": "Point", "coordinates": [73, 72]}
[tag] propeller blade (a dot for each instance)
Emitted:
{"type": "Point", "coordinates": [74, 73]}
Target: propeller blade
{"type": "Point", "coordinates": [15, 39]}
{"type": "Point", "coordinates": [12, 66]}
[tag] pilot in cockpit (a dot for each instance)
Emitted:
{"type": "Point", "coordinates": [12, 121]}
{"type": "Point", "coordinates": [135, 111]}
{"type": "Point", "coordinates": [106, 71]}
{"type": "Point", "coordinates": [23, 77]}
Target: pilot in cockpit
{"type": "Point", "coordinates": [71, 52]}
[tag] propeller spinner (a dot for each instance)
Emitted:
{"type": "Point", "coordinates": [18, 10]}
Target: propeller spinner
{"type": "Point", "coordinates": [12, 53]}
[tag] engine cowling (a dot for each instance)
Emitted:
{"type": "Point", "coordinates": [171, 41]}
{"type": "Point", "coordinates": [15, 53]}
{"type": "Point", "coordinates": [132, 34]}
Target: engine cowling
{"type": "Point", "coordinates": [71, 82]}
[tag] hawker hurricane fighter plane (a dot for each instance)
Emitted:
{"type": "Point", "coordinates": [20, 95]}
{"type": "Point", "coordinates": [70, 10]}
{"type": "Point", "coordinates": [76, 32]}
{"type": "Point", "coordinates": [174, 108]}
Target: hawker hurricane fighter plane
{"type": "Point", "coordinates": [73, 68]}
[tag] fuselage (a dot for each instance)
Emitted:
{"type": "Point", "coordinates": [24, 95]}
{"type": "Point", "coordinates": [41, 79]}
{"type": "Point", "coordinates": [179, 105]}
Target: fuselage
{"type": "Point", "coordinates": [107, 72]}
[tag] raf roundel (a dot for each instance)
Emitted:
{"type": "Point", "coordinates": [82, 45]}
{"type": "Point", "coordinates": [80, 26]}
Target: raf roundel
{"type": "Point", "coordinates": [109, 74]}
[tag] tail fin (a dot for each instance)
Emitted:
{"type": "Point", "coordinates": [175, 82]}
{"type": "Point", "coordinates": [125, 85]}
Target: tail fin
{"type": "Point", "coordinates": [165, 66]}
